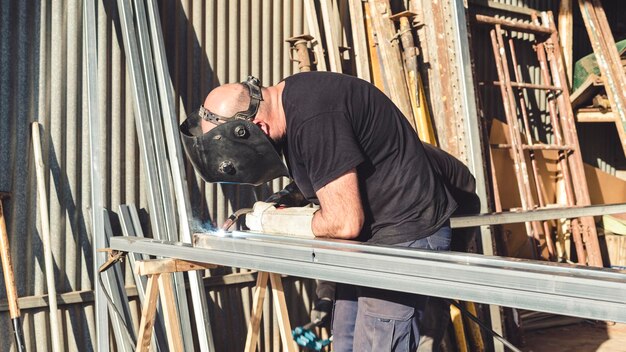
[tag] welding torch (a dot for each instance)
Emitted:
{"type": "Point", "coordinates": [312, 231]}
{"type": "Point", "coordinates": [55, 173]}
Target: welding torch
{"type": "Point", "coordinates": [233, 218]}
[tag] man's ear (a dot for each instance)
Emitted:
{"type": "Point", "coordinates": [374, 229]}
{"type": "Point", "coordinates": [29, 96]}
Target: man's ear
{"type": "Point", "coordinates": [263, 126]}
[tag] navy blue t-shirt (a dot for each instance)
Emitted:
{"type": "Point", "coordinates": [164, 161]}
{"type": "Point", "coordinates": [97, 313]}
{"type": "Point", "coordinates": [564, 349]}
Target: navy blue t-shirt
{"type": "Point", "coordinates": [338, 122]}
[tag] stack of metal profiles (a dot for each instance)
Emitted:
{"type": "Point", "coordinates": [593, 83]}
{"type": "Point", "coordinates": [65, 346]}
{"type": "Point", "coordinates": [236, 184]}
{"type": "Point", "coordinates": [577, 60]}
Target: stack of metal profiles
{"type": "Point", "coordinates": [156, 123]}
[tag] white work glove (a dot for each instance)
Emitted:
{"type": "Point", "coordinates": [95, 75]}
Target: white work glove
{"type": "Point", "coordinates": [294, 221]}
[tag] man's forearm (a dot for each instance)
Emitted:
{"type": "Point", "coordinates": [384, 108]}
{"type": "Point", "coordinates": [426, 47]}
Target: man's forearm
{"type": "Point", "coordinates": [341, 213]}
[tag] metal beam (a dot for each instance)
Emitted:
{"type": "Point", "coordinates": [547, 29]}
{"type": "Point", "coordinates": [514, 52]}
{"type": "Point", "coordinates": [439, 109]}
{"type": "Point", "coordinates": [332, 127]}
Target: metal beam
{"type": "Point", "coordinates": [549, 287]}
{"type": "Point", "coordinates": [513, 217]}
{"type": "Point", "coordinates": [90, 53]}
{"type": "Point", "coordinates": [131, 227]}
{"type": "Point", "coordinates": [113, 281]}
{"type": "Point", "coordinates": [473, 142]}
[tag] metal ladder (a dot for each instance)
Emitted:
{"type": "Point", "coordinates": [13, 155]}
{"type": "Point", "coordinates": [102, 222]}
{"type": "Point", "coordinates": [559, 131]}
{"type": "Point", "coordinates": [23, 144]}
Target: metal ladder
{"type": "Point", "coordinates": [559, 109]}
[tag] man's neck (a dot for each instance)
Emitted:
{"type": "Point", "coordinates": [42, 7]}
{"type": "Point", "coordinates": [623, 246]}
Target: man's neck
{"type": "Point", "coordinates": [275, 101]}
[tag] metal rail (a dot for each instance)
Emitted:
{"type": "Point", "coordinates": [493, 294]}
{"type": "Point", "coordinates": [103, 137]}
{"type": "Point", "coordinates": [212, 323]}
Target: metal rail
{"type": "Point", "coordinates": [549, 287]}
{"type": "Point", "coordinates": [536, 215]}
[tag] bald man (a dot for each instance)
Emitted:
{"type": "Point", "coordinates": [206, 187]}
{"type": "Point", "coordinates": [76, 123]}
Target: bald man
{"type": "Point", "coordinates": [349, 150]}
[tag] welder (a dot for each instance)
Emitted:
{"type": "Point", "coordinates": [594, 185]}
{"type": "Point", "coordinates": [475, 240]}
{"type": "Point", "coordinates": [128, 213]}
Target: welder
{"type": "Point", "coordinates": [350, 151]}
{"type": "Point", "coordinates": [462, 185]}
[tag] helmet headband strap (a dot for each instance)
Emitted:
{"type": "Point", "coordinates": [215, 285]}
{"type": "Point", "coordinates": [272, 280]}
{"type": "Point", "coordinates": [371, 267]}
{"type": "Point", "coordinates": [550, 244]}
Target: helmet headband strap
{"type": "Point", "coordinates": [254, 89]}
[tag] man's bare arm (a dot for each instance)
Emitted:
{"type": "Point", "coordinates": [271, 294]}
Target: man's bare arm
{"type": "Point", "coordinates": [341, 214]}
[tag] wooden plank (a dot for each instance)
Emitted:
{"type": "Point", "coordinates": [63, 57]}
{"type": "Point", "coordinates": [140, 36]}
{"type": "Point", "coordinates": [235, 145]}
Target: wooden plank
{"type": "Point", "coordinates": [168, 304]}
{"type": "Point", "coordinates": [332, 42]}
{"type": "Point", "coordinates": [372, 48]}
{"type": "Point", "coordinates": [395, 85]}
{"type": "Point", "coordinates": [586, 91]}
{"type": "Point", "coordinates": [314, 29]}
{"type": "Point", "coordinates": [417, 95]}
{"type": "Point", "coordinates": [282, 315]}
{"type": "Point", "coordinates": [254, 326]}
{"type": "Point", "coordinates": [87, 296]}
{"type": "Point", "coordinates": [148, 313]}
{"type": "Point", "coordinates": [589, 115]}
{"type": "Point", "coordinates": [566, 34]}
{"type": "Point", "coordinates": [359, 40]}
{"type": "Point", "coordinates": [7, 267]}
{"type": "Point", "coordinates": [168, 265]}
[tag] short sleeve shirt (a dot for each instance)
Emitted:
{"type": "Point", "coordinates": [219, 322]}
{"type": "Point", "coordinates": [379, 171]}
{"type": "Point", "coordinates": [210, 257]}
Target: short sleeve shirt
{"type": "Point", "coordinates": [338, 122]}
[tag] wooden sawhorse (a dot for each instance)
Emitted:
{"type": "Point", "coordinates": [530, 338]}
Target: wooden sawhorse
{"type": "Point", "coordinates": [159, 272]}
{"type": "Point", "coordinates": [280, 307]}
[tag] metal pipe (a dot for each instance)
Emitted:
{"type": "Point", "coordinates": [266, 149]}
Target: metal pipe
{"type": "Point", "coordinates": [537, 215]}
{"type": "Point", "coordinates": [299, 46]}
{"type": "Point", "coordinates": [520, 26]}
{"type": "Point", "coordinates": [535, 147]}
{"type": "Point", "coordinates": [530, 85]}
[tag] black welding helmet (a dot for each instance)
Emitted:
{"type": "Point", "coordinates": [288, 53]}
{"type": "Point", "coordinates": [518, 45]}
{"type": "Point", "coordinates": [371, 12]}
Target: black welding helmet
{"type": "Point", "coordinates": [236, 150]}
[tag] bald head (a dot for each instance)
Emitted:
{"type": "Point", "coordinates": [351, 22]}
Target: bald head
{"type": "Point", "coordinates": [226, 100]}
{"type": "Point", "coordinates": [229, 99]}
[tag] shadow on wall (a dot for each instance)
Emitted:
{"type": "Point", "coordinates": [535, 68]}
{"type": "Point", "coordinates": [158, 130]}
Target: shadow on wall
{"type": "Point", "coordinates": [193, 78]}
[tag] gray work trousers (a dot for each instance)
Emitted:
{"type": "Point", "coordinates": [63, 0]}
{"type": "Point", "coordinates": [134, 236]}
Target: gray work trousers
{"type": "Point", "coordinates": [368, 319]}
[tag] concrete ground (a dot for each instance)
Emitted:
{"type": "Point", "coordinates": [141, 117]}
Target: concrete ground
{"type": "Point", "coordinates": [581, 337]}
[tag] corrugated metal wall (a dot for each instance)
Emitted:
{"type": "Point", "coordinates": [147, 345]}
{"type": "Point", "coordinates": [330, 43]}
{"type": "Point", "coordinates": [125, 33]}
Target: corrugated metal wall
{"type": "Point", "coordinates": [208, 43]}
{"type": "Point", "coordinates": [41, 70]}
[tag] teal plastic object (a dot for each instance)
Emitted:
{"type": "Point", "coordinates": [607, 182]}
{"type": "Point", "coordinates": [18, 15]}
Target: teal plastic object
{"type": "Point", "coordinates": [589, 65]}
{"type": "Point", "coordinates": [309, 339]}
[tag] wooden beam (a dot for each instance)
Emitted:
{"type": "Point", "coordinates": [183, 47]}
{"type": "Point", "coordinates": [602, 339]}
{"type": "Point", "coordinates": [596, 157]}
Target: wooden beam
{"type": "Point", "coordinates": [566, 35]}
{"type": "Point", "coordinates": [359, 40]}
{"type": "Point", "coordinates": [314, 30]}
{"type": "Point", "coordinates": [372, 49]}
{"type": "Point", "coordinates": [254, 326]}
{"type": "Point", "coordinates": [161, 266]}
{"type": "Point", "coordinates": [282, 315]}
{"type": "Point", "coordinates": [332, 42]}
{"type": "Point", "coordinates": [168, 305]}
{"type": "Point", "coordinates": [148, 313]}
{"type": "Point", "coordinates": [594, 115]}
{"type": "Point", "coordinates": [389, 46]}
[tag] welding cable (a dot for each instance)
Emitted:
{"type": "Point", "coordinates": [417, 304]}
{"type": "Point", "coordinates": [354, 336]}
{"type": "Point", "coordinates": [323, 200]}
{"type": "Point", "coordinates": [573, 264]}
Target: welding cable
{"type": "Point", "coordinates": [482, 325]}
{"type": "Point", "coordinates": [127, 335]}
{"type": "Point", "coordinates": [233, 218]}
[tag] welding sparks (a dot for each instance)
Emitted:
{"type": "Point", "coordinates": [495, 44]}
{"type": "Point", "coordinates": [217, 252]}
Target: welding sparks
{"type": "Point", "coordinates": [220, 233]}
{"type": "Point", "coordinates": [198, 226]}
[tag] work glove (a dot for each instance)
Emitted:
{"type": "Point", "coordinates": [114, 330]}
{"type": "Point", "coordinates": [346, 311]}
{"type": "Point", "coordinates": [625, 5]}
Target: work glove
{"type": "Point", "coordinates": [290, 196]}
{"type": "Point", "coordinates": [321, 313]}
{"type": "Point", "coordinates": [294, 221]}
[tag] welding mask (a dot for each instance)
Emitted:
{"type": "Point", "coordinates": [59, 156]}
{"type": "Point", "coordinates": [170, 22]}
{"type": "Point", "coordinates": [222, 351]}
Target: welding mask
{"type": "Point", "coordinates": [236, 150]}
